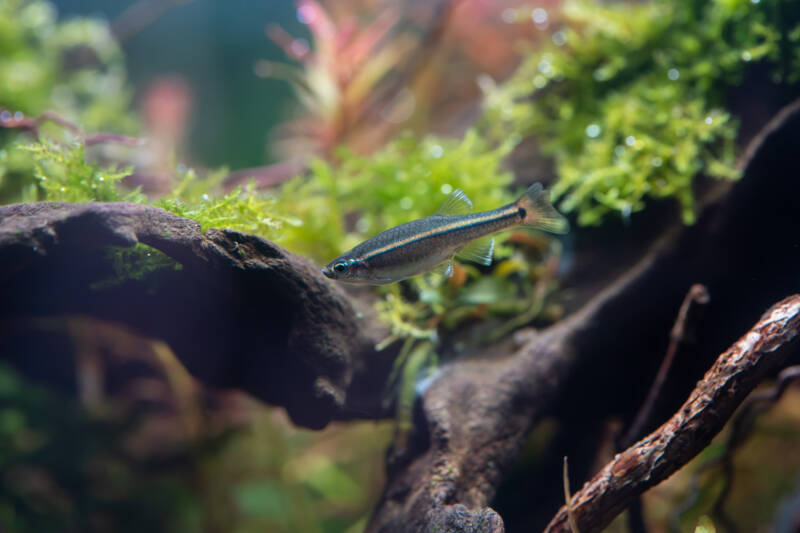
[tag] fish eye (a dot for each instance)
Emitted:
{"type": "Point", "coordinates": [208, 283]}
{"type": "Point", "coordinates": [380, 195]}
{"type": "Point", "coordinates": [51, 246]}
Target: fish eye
{"type": "Point", "coordinates": [340, 267]}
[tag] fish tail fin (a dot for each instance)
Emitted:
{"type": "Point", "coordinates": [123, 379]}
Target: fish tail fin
{"type": "Point", "coordinates": [538, 212]}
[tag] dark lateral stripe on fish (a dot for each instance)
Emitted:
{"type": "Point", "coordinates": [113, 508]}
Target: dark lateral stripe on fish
{"type": "Point", "coordinates": [512, 210]}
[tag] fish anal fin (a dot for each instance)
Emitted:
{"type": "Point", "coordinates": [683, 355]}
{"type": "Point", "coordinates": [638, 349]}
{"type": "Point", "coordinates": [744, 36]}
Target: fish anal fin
{"type": "Point", "coordinates": [442, 270]}
{"type": "Point", "coordinates": [478, 251]}
{"type": "Point", "coordinates": [458, 203]}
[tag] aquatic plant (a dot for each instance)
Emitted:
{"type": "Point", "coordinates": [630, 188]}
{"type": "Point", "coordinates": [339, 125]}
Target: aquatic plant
{"type": "Point", "coordinates": [372, 71]}
{"type": "Point", "coordinates": [63, 174]}
{"type": "Point", "coordinates": [628, 99]}
{"type": "Point", "coordinates": [74, 66]}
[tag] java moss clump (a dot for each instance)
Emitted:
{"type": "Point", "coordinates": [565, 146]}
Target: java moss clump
{"type": "Point", "coordinates": [628, 98]}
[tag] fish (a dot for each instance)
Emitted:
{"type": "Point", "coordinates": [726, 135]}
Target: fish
{"type": "Point", "coordinates": [429, 244]}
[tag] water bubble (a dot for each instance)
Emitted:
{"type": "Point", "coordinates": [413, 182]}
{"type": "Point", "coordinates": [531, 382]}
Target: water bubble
{"type": "Point", "coordinates": [539, 81]}
{"type": "Point", "coordinates": [101, 178]}
{"type": "Point", "coordinates": [746, 56]}
{"type": "Point", "coordinates": [509, 15]}
{"type": "Point", "coordinates": [539, 16]}
{"type": "Point", "coordinates": [630, 140]}
{"type": "Point", "coordinates": [5, 115]}
{"type": "Point", "coordinates": [18, 116]}
{"type": "Point", "coordinates": [559, 38]}
{"type": "Point", "coordinates": [446, 188]}
{"type": "Point", "coordinates": [406, 202]}
{"type": "Point", "coordinates": [306, 13]}
{"type": "Point", "coordinates": [619, 150]}
{"type": "Point", "coordinates": [673, 74]}
{"type": "Point", "coordinates": [756, 1]}
{"type": "Point", "coordinates": [205, 197]}
{"type": "Point", "coordinates": [593, 131]}
{"type": "Point", "coordinates": [656, 161]}
{"type": "Point", "coordinates": [436, 151]}
{"type": "Point", "coordinates": [709, 120]}
{"type": "Point", "coordinates": [544, 66]}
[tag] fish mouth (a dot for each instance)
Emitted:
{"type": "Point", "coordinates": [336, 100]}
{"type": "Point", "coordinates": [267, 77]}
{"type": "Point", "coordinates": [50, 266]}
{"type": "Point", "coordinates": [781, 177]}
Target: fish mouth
{"type": "Point", "coordinates": [327, 273]}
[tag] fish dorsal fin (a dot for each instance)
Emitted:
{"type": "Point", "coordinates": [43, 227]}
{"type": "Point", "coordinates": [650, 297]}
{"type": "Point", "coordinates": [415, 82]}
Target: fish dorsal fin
{"type": "Point", "coordinates": [456, 204]}
{"type": "Point", "coordinates": [479, 251]}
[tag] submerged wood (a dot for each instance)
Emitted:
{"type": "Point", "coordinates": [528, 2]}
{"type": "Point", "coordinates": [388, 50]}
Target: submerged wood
{"type": "Point", "coordinates": [476, 415]}
{"type": "Point", "coordinates": [244, 313]}
{"type": "Point", "coordinates": [733, 376]}
{"type": "Point", "coordinates": [241, 312]}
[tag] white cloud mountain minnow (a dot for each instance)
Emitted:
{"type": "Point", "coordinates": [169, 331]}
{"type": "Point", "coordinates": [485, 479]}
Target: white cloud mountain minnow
{"type": "Point", "coordinates": [431, 242]}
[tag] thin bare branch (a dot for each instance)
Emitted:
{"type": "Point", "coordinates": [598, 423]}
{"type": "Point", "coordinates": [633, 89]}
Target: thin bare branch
{"type": "Point", "coordinates": [697, 295]}
{"type": "Point", "coordinates": [32, 125]}
{"type": "Point", "coordinates": [734, 374]}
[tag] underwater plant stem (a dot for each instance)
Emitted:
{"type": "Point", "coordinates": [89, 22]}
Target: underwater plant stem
{"type": "Point", "coordinates": [736, 372]}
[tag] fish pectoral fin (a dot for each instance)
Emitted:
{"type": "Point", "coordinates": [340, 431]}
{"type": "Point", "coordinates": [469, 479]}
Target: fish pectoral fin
{"type": "Point", "coordinates": [479, 251]}
{"type": "Point", "coordinates": [456, 204]}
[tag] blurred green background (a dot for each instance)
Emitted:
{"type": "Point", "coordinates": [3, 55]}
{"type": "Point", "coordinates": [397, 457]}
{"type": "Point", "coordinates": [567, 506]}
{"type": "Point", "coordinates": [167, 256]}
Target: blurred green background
{"type": "Point", "coordinates": [211, 46]}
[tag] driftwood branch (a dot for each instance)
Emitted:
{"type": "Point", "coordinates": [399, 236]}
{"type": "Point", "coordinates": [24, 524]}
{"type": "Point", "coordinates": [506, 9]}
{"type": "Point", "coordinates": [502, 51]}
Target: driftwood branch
{"type": "Point", "coordinates": [241, 312]}
{"type": "Point", "coordinates": [474, 417]}
{"type": "Point", "coordinates": [696, 298]}
{"type": "Point", "coordinates": [732, 377]}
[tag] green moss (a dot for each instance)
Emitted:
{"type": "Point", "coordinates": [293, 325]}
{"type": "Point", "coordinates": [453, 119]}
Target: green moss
{"type": "Point", "coordinates": [242, 209]}
{"type": "Point", "coordinates": [628, 98]}
{"type": "Point", "coordinates": [64, 175]}
{"type": "Point", "coordinates": [135, 263]}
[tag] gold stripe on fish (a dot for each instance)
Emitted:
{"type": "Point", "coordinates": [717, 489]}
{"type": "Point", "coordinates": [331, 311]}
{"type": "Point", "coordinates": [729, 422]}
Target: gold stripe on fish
{"type": "Point", "coordinates": [512, 209]}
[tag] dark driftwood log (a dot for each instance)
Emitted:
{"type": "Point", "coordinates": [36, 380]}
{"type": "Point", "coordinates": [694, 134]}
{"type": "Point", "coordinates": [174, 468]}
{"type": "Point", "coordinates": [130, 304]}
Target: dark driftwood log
{"type": "Point", "coordinates": [241, 312]}
{"type": "Point", "coordinates": [475, 416]}
{"type": "Point", "coordinates": [654, 458]}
